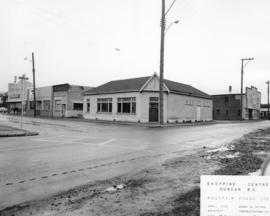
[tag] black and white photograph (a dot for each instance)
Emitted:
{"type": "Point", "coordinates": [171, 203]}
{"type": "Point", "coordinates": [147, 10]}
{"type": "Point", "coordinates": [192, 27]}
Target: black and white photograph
{"type": "Point", "coordinates": [134, 108]}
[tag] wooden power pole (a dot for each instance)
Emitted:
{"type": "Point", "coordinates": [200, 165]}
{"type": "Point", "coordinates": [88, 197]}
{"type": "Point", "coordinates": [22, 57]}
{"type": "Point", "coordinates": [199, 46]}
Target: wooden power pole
{"type": "Point", "coordinates": [268, 116]}
{"type": "Point", "coordinates": [34, 84]}
{"type": "Point", "coordinates": [161, 66]}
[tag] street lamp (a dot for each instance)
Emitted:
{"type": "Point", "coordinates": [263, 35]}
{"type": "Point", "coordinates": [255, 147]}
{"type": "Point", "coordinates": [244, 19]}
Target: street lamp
{"type": "Point", "coordinates": [161, 65]}
{"type": "Point", "coordinates": [242, 73]}
{"type": "Point", "coordinates": [169, 26]}
{"type": "Point", "coordinates": [34, 80]}
{"type": "Point", "coordinates": [22, 78]}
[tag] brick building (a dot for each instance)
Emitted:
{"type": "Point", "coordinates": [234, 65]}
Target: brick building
{"type": "Point", "coordinates": [227, 106]}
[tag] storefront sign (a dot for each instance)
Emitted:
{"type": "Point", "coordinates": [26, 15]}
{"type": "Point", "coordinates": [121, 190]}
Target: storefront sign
{"type": "Point", "coordinates": [14, 96]}
{"type": "Point", "coordinates": [235, 195]}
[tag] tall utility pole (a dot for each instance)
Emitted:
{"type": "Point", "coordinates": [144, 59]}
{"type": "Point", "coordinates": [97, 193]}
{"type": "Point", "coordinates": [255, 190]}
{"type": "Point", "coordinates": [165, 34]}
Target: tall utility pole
{"type": "Point", "coordinates": [242, 74]}
{"type": "Point", "coordinates": [34, 84]}
{"type": "Point", "coordinates": [161, 69]}
{"type": "Point", "coordinates": [22, 78]}
{"type": "Point", "coordinates": [268, 116]}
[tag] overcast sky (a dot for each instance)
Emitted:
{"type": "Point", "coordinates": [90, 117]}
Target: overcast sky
{"type": "Point", "coordinates": [75, 41]}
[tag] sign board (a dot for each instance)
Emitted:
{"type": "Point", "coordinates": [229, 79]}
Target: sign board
{"type": "Point", "coordinates": [235, 196]}
{"type": "Point", "coordinates": [14, 96]}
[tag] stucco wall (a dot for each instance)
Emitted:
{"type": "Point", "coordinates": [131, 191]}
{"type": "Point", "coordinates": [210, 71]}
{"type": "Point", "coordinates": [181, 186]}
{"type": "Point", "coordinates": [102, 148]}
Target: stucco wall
{"type": "Point", "coordinates": [186, 108]}
{"type": "Point", "coordinates": [175, 108]}
{"type": "Point", "coordinates": [74, 95]}
{"type": "Point", "coordinates": [145, 97]}
{"type": "Point", "coordinates": [62, 96]}
{"type": "Point", "coordinates": [93, 114]}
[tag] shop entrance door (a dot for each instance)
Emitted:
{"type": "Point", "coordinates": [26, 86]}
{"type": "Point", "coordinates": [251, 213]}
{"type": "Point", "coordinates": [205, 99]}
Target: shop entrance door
{"type": "Point", "coordinates": [63, 110]}
{"type": "Point", "coordinates": [153, 109]}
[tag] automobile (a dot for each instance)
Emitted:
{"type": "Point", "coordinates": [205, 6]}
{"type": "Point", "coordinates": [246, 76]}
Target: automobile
{"type": "Point", "coordinates": [3, 109]}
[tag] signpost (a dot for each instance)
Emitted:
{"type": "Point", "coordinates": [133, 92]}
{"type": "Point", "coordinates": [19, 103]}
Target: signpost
{"type": "Point", "coordinates": [22, 78]}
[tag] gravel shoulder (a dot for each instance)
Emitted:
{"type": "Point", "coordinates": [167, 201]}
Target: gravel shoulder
{"type": "Point", "coordinates": [170, 188]}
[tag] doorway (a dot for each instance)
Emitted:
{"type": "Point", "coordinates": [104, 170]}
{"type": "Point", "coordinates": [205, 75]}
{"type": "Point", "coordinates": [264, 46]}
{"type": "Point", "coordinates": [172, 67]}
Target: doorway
{"type": "Point", "coordinates": [153, 109]}
{"type": "Point", "coordinates": [63, 110]}
{"type": "Point", "coordinates": [250, 114]}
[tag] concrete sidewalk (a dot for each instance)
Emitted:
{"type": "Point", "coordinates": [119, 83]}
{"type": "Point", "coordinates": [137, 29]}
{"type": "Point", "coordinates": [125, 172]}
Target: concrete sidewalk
{"type": "Point", "coordinates": [7, 131]}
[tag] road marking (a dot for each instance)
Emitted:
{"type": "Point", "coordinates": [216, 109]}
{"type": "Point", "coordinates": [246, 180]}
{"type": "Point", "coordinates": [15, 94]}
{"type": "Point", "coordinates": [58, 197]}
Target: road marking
{"type": "Point", "coordinates": [108, 141]}
{"type": "Point", "coordinates": [88, 168]}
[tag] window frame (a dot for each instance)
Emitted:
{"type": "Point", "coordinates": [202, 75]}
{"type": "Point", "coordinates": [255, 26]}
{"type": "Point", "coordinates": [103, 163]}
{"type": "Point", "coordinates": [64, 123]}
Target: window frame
{"type": "Point", "coordinates": [126, 105]}
{"type": "Point", "coordinates": [104, 105]}
{"type": "Point", "coordinates": [76, 108]}
{"type": "Point", "coordinates": [88, 105]}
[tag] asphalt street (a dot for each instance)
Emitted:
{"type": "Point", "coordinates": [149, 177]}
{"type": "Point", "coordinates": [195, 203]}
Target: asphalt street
{"type": "Point", "coordinates": [71, 153]}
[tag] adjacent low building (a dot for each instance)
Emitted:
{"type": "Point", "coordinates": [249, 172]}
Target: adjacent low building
{"type": "Point", "coordinates": [3, 99]}
{"type": "Point", "coordinates": [43, 101]}
{"type": "Point", "coordinates": [264, 111]}
{"type": "Point", "coordinates": [227, 106]}
{"type": "Point", "coordinates": [68, 100]}
{"type": "Point", "coordinates": [137, 100]}
{"type": "Point", "coordinates": [63, 100]}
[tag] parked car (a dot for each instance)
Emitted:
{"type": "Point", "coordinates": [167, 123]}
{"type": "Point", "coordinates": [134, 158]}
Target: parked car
{"type": "Point", "coordinates": [3, 110]}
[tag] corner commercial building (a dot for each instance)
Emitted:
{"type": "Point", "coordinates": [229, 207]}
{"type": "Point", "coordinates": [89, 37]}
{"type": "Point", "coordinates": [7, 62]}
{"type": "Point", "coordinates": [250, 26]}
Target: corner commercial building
{"type": "Point", "coordinates": [137, 100]}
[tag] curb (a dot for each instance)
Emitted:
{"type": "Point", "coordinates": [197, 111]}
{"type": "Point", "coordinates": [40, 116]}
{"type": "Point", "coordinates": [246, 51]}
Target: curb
{"type": "Point", "coordinates": [20, 134]}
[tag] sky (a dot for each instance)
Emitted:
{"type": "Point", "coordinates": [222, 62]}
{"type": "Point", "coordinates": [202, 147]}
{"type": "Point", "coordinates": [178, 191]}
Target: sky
{"type": "Point", "coordinates": [87, 42]}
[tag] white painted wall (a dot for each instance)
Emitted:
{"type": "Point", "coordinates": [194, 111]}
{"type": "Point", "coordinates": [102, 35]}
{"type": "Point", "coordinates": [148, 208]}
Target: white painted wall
{"type": "Point", "coordinates": [181, 110]}
{"type": "Point", "coordinates": [93, 114]}
{"type": "Point", "coordinates": [175, 108]}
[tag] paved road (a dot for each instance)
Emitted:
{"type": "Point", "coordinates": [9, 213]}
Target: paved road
{"type": "Point", "coordinates": [70, 153]}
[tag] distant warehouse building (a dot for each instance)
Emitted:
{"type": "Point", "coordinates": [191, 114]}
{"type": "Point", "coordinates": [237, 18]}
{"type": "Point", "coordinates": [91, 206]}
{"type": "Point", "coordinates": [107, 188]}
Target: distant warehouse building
{"type": "Point", "coordinates": [137, 100]}
{"type": "Point", "coordinates": [227, 106]}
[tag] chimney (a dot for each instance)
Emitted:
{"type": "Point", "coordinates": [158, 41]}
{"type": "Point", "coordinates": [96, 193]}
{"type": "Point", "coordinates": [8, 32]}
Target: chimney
{"type": "Point", "coordinates": [15, 79]}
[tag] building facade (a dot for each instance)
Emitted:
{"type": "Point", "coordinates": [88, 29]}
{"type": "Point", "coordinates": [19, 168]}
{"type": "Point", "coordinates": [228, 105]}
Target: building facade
{"type": "Point", "coordinates": [67, 100]}
{"type": "Point", "coordinates": [137, 100]}
{"type": "Point", "coordinates": [3, 99]}
{"type": "Point", "coordinates": [17, 92]}
{"type": "Point", "coordinates": [63, 100]}
{"type": "Point", "coordinates": [227, 106]}
{"type": "Point", "coordinates": [264, 111]}
{"type": "Point", "coordinates": [43, 101]}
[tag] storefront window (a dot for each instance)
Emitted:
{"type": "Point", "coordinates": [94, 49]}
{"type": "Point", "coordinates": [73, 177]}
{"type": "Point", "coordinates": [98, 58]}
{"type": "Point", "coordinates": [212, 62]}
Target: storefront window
{"type": "Point", "coordinates": [104, 105]}
{"type": "Point", "coordinates": [78, 106]}
{"type": "Point", "coordinates": [126, 105]}
{"type": "Point", "coordinates": [88, 105]}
